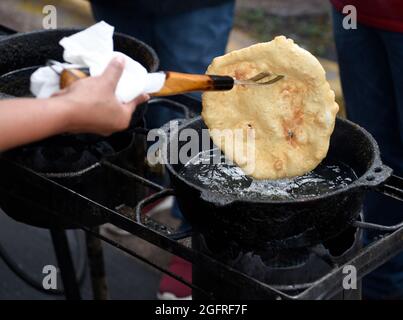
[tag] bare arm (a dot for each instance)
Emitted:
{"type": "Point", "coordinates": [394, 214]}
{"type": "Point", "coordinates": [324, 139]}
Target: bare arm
{"type": "Point", "coordinates": [89, 106]}
{"type": "Point", "coordinates": [27, 120]}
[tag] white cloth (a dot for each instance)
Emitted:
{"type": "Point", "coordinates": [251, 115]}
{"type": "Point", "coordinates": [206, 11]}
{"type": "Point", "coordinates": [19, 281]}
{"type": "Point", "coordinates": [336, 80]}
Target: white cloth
{"type": "Point", "coordinates": [93, 48]}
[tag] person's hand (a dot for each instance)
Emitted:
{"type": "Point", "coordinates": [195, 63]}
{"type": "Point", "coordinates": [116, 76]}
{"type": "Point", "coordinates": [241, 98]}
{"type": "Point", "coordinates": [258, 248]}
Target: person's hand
{"type": "Point", "coordinates": [92, 105]}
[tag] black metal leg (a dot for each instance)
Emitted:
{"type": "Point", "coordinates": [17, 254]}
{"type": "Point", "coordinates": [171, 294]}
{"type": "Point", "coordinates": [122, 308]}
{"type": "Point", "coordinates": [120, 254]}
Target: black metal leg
{"type": "Point", "coordinates": [65, 262]}
{"type": "Point", "coordinates": [97, 267]}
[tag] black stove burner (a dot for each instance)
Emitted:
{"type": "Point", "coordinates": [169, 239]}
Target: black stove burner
{"type": "Point", "coordinates": [288, 270]}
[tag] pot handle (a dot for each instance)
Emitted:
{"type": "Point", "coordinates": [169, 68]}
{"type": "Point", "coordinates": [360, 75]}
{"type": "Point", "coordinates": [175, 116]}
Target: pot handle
{"type": "Point", "coordinates": [375, 176]}
{"type": "Point", "coordinates": [172, 104]}
{"type": "Point", "coordinates": [155, 225]}
{"type": "Point", "coordinates": [173, 126]}
{"type": "Point", "coordinates": [164, 133]}
{"type": "Point", "coordinates": [161, 193]}
{"type": "Point", "coordinates": [216, 199]}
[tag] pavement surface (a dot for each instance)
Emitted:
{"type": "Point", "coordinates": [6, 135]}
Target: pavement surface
{"type": "Point", "coordinates": [27, 15]}
{"type": "Point", "coordinates": [287, 7]}
{"type": "Point", "coordinates": [31, 248]}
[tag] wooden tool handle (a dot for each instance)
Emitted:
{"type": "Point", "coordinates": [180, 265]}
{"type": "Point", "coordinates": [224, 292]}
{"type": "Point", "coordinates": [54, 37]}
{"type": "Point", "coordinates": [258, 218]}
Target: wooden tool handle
{"type": "Point", "coordinates": [68, 76]}
{"type": "Point", "coordinates": [176, 83]}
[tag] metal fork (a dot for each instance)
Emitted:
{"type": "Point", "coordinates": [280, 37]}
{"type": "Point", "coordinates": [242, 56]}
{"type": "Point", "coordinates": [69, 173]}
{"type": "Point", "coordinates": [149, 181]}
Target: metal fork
{"type": "Point", "coordinates": [262, 78]}
{"type": "Point", "coordinates": [177, 83]}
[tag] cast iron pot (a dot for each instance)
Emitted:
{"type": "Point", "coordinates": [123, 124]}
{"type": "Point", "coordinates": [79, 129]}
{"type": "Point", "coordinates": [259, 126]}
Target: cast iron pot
{"type": "Point", "coordinates": [291, 223]}
{"type": "Point", "coordinates": [21, 54]}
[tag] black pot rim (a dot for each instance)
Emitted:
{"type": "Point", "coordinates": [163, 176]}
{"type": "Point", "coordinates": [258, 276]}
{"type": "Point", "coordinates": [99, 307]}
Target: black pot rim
{"type": "Point", "coordinates": [153, 67]}
{"type": "Point", "coordinates": [370, 179]}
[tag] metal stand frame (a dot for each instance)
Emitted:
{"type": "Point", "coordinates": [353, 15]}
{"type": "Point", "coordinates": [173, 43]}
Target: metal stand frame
{"type": "Point", "coordinates": [65, 263]}
{"type": "Point", "coordinates": [59, 199]}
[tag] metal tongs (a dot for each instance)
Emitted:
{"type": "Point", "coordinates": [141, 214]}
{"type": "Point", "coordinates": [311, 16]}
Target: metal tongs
{"type": "Point", "coordinates": [176, 82]}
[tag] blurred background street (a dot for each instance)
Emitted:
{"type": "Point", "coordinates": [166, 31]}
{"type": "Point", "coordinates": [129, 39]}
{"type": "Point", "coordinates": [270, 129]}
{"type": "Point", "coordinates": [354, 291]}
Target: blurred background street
{"type": "Point", "coordinates": [307, 22]}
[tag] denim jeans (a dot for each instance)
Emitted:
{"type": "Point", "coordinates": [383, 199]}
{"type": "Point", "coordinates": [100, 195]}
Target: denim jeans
{"type": "Point", "coordinates": [371, 70]}
{"type": "Point", "coordinates": [185, 42]}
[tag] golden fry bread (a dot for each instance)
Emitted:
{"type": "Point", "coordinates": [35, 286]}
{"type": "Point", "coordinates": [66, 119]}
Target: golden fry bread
{"type": "Point", "coordinates": [292, 119]}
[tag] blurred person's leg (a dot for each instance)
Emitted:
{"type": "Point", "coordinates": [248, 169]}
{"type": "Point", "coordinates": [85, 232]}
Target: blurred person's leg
{"type": "Point", "coordinates": [188, 42]}
{"type": "Point", "coordinates": [374, 99]}
{"type": "Point", "coordinates": [393, 42]}
{"type": "Point", "coordinates": [125, 20]}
